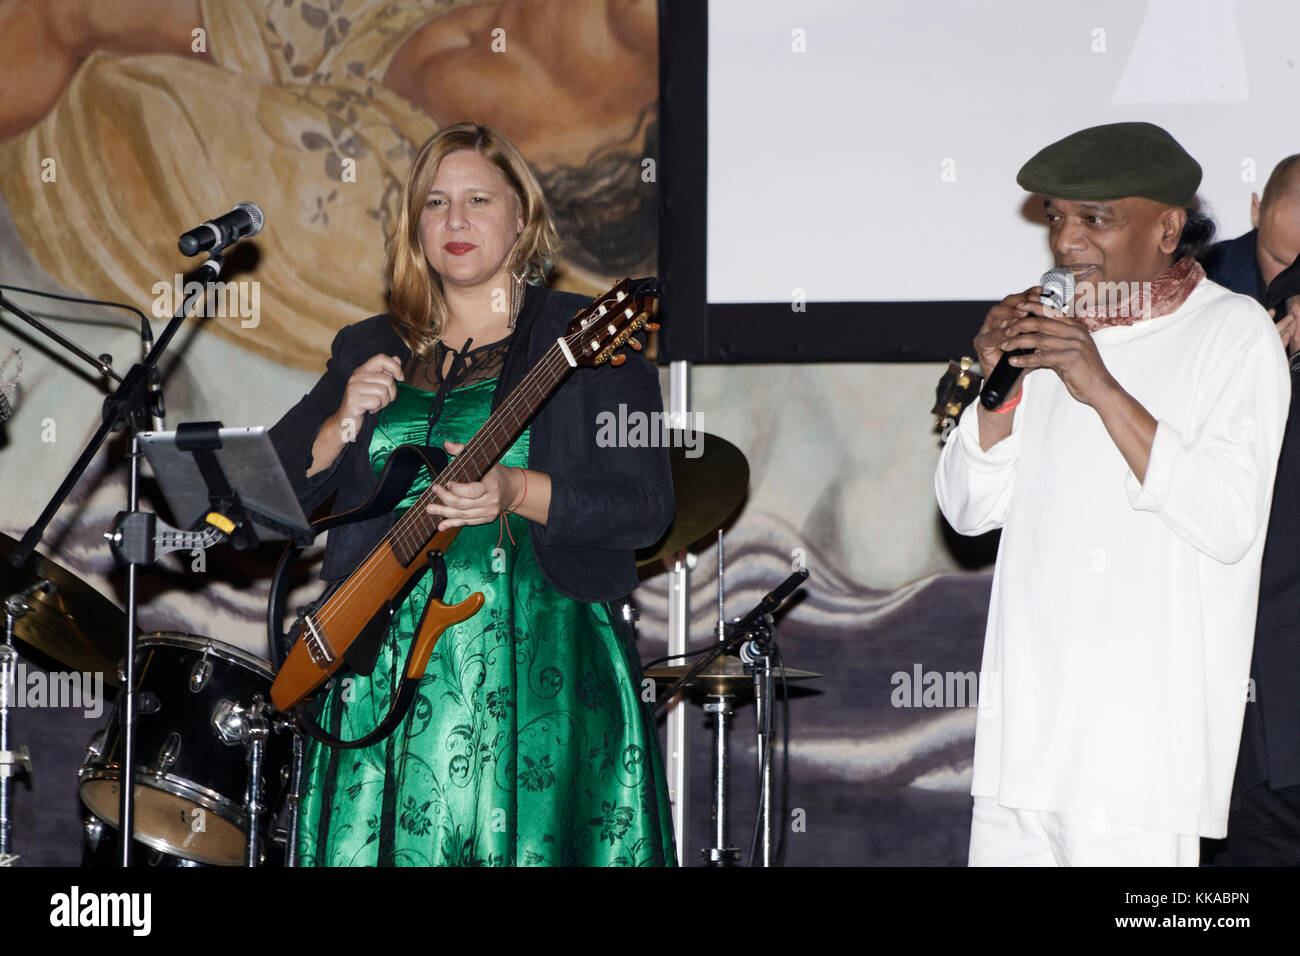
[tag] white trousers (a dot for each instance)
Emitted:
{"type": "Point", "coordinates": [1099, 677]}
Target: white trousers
{"type": "Point", "coordinates": [1000, 836]}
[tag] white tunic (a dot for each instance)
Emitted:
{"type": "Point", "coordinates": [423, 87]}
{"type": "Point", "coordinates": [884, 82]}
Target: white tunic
{"type": "Point", "coordinates": [1117, 651]}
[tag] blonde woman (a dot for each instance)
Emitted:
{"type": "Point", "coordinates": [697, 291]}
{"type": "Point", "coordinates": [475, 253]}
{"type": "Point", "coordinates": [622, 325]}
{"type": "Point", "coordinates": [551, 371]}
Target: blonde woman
{"type": "Point", "coordinates": [528, 743]}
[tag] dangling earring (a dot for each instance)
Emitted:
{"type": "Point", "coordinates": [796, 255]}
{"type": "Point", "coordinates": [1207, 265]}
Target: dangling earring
{"type": "Point", "coordinates": [516, 296]}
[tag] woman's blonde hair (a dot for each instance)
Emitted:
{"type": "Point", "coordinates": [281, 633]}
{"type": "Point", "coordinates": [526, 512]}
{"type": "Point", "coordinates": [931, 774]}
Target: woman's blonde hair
{"type": "Point", "coordinates": [414, 289]}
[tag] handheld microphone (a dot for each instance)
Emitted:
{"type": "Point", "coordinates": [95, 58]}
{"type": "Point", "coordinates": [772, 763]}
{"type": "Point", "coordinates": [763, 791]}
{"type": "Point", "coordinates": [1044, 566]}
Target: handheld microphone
{"type": "Point", "coordinates": [241, 222]}
{"type": "Point", "coordinates": [1058, 292]}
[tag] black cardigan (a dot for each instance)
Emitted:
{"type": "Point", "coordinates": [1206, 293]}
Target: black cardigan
{"type": "Point", "coordinates": [605, 502]}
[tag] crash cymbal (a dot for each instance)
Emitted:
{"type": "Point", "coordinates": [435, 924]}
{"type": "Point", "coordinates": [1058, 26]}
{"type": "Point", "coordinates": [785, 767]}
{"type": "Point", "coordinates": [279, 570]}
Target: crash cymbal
{"type": "Point", "coordinates": [708, 489]}
{"type": "Point", "coordinates": [725, 677]}
{"type": "Point", "coordinates": [75, 625]}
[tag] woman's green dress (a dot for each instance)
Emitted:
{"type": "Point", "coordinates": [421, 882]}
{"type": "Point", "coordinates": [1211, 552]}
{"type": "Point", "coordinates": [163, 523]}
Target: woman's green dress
{"type": "Point", "coordinates": [528, 742]}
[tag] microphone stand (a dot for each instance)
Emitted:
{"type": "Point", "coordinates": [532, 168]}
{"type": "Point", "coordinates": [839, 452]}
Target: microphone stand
{"type": "Point", "coordinates": [130, 404]}
{"type": "Point", "coordinates": [738, 632]}
{"type": "Point", "coordinates": [754, 631]}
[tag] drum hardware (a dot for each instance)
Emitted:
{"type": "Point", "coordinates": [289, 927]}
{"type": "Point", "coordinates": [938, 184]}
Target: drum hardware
{"type": "Point", "coordinates": [721, 853]}
{"type": "Point", "coordinates": [19, 759]}
{"type": "Point", "coordinates": [218, 769]}
{"type": "Point", "coordinates": [248, 727]}
{"type": "Point", "coordinates": [200, 674]}
{"type": "Point", "coordinates": [758, 653]}
{"type": "Point", "coordinates": [168, 752]}
{"type": "Point", "coordinates": [723, 679]}
{"type": "Point", "coordinates": [295, 799]}
{"type": "Point", "coordinates": [254, 729]}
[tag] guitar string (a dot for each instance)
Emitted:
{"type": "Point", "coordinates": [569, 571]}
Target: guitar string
{"type": "Point", "coordinates": [417, 527]}
{"type": "Point", "coordinates": [362, 575]}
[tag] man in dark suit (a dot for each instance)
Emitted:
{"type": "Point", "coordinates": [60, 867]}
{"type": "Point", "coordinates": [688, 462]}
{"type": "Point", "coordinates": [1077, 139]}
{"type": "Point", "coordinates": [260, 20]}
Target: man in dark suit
{"type": "Point", "coordinates": [1264, 816]}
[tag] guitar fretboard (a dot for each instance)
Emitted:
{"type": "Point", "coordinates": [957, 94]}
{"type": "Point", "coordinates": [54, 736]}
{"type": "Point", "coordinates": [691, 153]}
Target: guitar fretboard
{"type": "Point", "coordinates": [417, 527]}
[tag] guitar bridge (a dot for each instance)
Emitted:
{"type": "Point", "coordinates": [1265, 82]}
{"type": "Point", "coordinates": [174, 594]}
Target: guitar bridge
{"type": "Point", "coordinates": [318, 646]}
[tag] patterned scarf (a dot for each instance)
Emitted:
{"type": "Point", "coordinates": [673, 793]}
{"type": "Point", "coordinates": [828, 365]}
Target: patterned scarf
{"type": "Point", "coordinates": [1145, 301]}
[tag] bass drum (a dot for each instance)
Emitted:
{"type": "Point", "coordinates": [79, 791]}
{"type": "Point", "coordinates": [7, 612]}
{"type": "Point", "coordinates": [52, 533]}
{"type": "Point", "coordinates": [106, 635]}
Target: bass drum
{"type": "Point", "coordinates": [191, 770]}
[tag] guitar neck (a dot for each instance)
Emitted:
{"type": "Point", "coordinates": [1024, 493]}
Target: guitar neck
{"type": "Point", "coordinates": [502, 428]}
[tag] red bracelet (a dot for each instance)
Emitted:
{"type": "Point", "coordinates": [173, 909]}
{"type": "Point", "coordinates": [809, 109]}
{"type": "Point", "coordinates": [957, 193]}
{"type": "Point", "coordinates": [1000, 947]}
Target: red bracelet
{"type": "Point", "coordinates": [505, 525]}
{"type": "Point", "coordinates": [1010, 403]}
{"type": "Point", "coordinates": [514, 507]}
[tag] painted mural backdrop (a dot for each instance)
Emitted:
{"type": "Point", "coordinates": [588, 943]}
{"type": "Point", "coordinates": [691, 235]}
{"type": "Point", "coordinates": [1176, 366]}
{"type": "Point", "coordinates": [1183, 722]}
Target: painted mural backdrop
{"type": "Point", "coordinates": [124, 123]}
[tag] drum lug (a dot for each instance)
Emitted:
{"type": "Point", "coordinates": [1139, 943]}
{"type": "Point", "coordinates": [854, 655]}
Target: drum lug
{"type": "Point", "coordinates": [201, 671]}
{"type": "Point", "coordinates": [92, 829]}
{"type": "Point", "coordinates": [169, 752]}
{"type": "Point", "coordinates": [94, 751]}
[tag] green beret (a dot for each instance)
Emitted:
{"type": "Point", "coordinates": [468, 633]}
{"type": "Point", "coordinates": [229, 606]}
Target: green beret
{"type": "Point", "coordinates": [1113, 162]}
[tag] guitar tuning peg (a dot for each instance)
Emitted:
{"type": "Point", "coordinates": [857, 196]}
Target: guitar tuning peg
{"type": "Point", "coordinates": [618, 360]}
{"type": "Point", "coordinates": [652, 326]}
{"type": "Point", "coordinates": [635, 344]}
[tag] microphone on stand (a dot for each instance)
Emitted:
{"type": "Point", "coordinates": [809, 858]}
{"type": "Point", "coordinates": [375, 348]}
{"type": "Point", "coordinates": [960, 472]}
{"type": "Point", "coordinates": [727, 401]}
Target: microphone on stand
{"type": "Point", "coordinates": [9, 389]}
{"type": "Point", "coordinates": [1058, 292]}
{"type": "Point", "coordinates": [243, 221]}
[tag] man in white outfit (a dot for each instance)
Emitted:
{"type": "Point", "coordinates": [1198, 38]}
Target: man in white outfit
{"type": "Point", "coordinates": [1131, 471]}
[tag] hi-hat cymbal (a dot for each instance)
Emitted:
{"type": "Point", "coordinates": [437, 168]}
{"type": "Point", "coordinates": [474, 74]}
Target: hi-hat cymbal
{"type": "Point", "coordinates": [75, 625]}
{"type": "Point", "coordinates": [725, 677]}
{"type": "Point", "coordinates": [708, 489]}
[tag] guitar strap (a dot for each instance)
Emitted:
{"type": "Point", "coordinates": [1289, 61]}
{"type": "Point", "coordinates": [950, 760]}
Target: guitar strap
{"type": "Point", "coordinates": [401, 469]}
{"type": "Point", "coordinates": [405, 694]}
{"type": "Point", "coordinates": [521, 344]}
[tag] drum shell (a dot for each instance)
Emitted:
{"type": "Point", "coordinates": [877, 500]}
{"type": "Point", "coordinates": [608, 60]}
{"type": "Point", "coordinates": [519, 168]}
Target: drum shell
{"type": "Point", "coordinates": [190, 779]}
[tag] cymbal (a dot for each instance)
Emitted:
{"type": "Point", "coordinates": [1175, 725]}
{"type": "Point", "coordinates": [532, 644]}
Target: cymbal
{"type": "Point", "coordinates": [75, 625]}
{"type": "Point", "coordinates": [725, 677]}
{"type": "Point", "coordinates": [708, 489]}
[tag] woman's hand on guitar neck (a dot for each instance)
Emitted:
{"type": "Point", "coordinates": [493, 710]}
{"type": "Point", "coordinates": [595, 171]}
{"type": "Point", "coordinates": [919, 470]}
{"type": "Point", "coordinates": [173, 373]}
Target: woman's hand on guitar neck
{"type": "Point", "coordinates": [369, 389]}
{"type": "Point", "coordinates": [503, 488]}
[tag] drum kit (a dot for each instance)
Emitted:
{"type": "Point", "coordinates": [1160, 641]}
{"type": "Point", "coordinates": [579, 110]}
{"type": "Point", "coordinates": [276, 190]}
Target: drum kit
{"type": "Point", "coordinates": [215, 768]}
{"type": "Point", "coordinates": [191, 727]}
{"type": "Point", "coordinates": [213, 776]}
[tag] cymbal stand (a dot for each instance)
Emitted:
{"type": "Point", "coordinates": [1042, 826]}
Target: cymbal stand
{"type": "Point", "coordinates": [250, 726]}
{"type": "Point", "coordinates": [720, 705]}
{"type": "Point", "coordinates": [758, 654]}
{"type": "Point", "coordinates": [11, 761]}
{"type": "Point", "coordinates": [295, 798]}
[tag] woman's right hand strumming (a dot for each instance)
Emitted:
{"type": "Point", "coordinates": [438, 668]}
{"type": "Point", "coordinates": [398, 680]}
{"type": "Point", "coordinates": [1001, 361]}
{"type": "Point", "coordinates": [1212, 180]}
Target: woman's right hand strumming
{"type": "Point", "coordinates": [372, 386]}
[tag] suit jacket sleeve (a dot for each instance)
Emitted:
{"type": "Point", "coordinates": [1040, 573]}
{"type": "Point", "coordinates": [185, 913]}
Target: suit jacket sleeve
{"type": "Point", "coordinates": [295, 433]}
{"type": "Point", "coordinates": [621, 496]}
